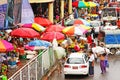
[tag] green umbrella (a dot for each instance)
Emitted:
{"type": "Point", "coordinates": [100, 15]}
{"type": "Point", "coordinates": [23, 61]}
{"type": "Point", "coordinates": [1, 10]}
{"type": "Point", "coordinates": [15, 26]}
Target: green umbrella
{"type": "Point", "coordinates": [82, 4]}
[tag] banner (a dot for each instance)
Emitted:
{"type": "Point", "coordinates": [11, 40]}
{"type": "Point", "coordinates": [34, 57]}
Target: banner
{"type": "Point", "coordinates": [2, 18]}
{"type": "Point", "coordinates": [3, 9]}
{"type": "Point", "coordinates": [13, 15]}
{"type": "Point", "coordinates": [27, 15]}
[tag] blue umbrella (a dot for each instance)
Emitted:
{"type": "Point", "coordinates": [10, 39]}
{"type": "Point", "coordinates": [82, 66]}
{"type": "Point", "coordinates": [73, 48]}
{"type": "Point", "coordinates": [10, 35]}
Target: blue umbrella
{"type": "Point", "coordinates": [39, 43]}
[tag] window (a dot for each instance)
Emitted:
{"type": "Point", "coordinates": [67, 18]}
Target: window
{"type": "Point", "coordinates": [75, 61]}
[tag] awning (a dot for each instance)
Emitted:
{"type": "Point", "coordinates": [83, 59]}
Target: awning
{"type": "Point", "coordinates": [40, 1]}
{"type": "Point", "coordinates": [3, 2]}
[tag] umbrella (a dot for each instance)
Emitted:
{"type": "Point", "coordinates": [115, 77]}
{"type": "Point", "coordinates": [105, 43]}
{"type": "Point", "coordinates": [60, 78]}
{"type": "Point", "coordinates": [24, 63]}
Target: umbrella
{"type": "Point", "coordinates": [49, 36]}
{"type": "Point", "coordinates": [56, 28]}
{"type": "Point", "coordinates": [34, 47]}
{"type": "Point", "coordinates": [92, 4]}
{"type": "Point", "coordinates": [80, 4]}
{"type": "Point", "coordinates": [73, 21]}
{"type": "Point", "coordinates": [42, 21]}
{"type": "Point", "coordinates": [83, 26]}
{"type": "Point", "coordinates": [74, 30]}
{"type": "Point", "coordinates": [5, 46]}
{"type": "Point", "coordinates": [35, 26]}
{"type": "Point", "coordinates": [85, 22]}
{"type": "Point", "coordinates": [25, 33]}
{"type": "Point", "coordinates": [39, 43]}
{"type": "Point", "coordinates": [93, 15]}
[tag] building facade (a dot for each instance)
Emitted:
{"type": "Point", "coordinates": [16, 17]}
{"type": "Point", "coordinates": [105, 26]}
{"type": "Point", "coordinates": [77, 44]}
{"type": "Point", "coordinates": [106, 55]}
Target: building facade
{"type": "Point", "coordinates": [51, 7]}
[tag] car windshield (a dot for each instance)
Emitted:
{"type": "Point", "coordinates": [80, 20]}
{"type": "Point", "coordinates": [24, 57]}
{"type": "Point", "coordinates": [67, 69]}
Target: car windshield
{"type": "Point", "coordinates": [75, 61]}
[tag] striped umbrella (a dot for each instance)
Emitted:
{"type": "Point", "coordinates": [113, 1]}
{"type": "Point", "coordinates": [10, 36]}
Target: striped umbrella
{"type": "Point", "coordinates": [35, 26]}
{"type": "Point", "coordinates": [74, 30]}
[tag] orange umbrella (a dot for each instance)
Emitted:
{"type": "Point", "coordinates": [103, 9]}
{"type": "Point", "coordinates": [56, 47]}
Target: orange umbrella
{"type": "Point", "coordinates": [74, 30]}
{"type": "Point", "coordinates": [5, 46]}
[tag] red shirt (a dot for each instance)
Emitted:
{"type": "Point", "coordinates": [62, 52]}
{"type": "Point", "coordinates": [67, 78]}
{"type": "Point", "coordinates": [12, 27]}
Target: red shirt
{"type": "Point", "coordinates": [89, 38]}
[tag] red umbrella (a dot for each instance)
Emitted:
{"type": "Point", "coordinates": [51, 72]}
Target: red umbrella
{"type": "Point", "coordinates": [25, 33]}
{"type": "Point", "coordinates": [49, 36]}
{"type": "Point", "coordinates": [75, 3]}
{"type": "Point", "coordinates": [42, 21]}
{"type": "Point", "coordinates": [56, 28]}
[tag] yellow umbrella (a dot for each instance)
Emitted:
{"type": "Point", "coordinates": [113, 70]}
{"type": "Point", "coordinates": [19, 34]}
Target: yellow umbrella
{"type": "Point", "coordinates": [38, 27]}
{"type": "Point", "coordinates": [70, 28]}
{"type": "Point", "coordinates": [92, 4]}
{"type": "Point", "coordinates": [93, 15]}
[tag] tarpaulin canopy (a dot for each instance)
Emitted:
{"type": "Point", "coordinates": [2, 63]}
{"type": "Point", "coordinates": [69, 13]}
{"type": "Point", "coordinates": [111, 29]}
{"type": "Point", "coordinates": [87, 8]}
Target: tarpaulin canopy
{"type": "Point", "coordinates": [3, 2]}
{"type": "Point", "coordinates": [19, 11]}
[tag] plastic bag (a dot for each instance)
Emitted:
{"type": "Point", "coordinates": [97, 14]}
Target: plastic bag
{"type": "Point", "coordinates": [60, 52]}
{"type": "Point", "coordinates": [106, 63]}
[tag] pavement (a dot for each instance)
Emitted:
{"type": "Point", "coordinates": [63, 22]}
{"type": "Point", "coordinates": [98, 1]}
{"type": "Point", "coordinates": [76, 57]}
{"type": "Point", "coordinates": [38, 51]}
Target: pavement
{"type": "Point", "coordinates": [50, 72]}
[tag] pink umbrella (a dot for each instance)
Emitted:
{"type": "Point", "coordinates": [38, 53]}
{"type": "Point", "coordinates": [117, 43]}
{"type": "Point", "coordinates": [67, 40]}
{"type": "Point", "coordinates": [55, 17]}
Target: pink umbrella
{"type": "Point", "coordinates": [27, 25]}
{"type": "Point", "coordinates": [5, 46]}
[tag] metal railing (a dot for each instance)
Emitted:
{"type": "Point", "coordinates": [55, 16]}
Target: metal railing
{"type": "Point", "coordinates": [37, 67]}
{"type": "Point", "coordinates": [71, 16]}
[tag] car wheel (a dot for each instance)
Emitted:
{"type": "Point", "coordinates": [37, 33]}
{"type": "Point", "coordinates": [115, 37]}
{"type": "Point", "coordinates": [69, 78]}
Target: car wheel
{"type": "Point", "coordinates": [65, 76]}
{"type": "Point", "coordinates": [113, 50]}
{"type": "Point", "coordinates": [87, 75]}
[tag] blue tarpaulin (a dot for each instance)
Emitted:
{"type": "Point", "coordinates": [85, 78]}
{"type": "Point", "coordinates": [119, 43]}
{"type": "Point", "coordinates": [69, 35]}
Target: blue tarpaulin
{"type": "Point", "coordinates": [112, 39]}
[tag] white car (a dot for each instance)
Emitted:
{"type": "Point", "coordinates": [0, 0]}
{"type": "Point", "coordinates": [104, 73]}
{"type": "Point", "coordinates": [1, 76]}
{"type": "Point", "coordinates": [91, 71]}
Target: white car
{"type": "Point", "coordinates": [76, 64]}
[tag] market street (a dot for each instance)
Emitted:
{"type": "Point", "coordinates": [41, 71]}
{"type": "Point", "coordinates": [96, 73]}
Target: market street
{"type": "Point", "coordinates": [112, 72]}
